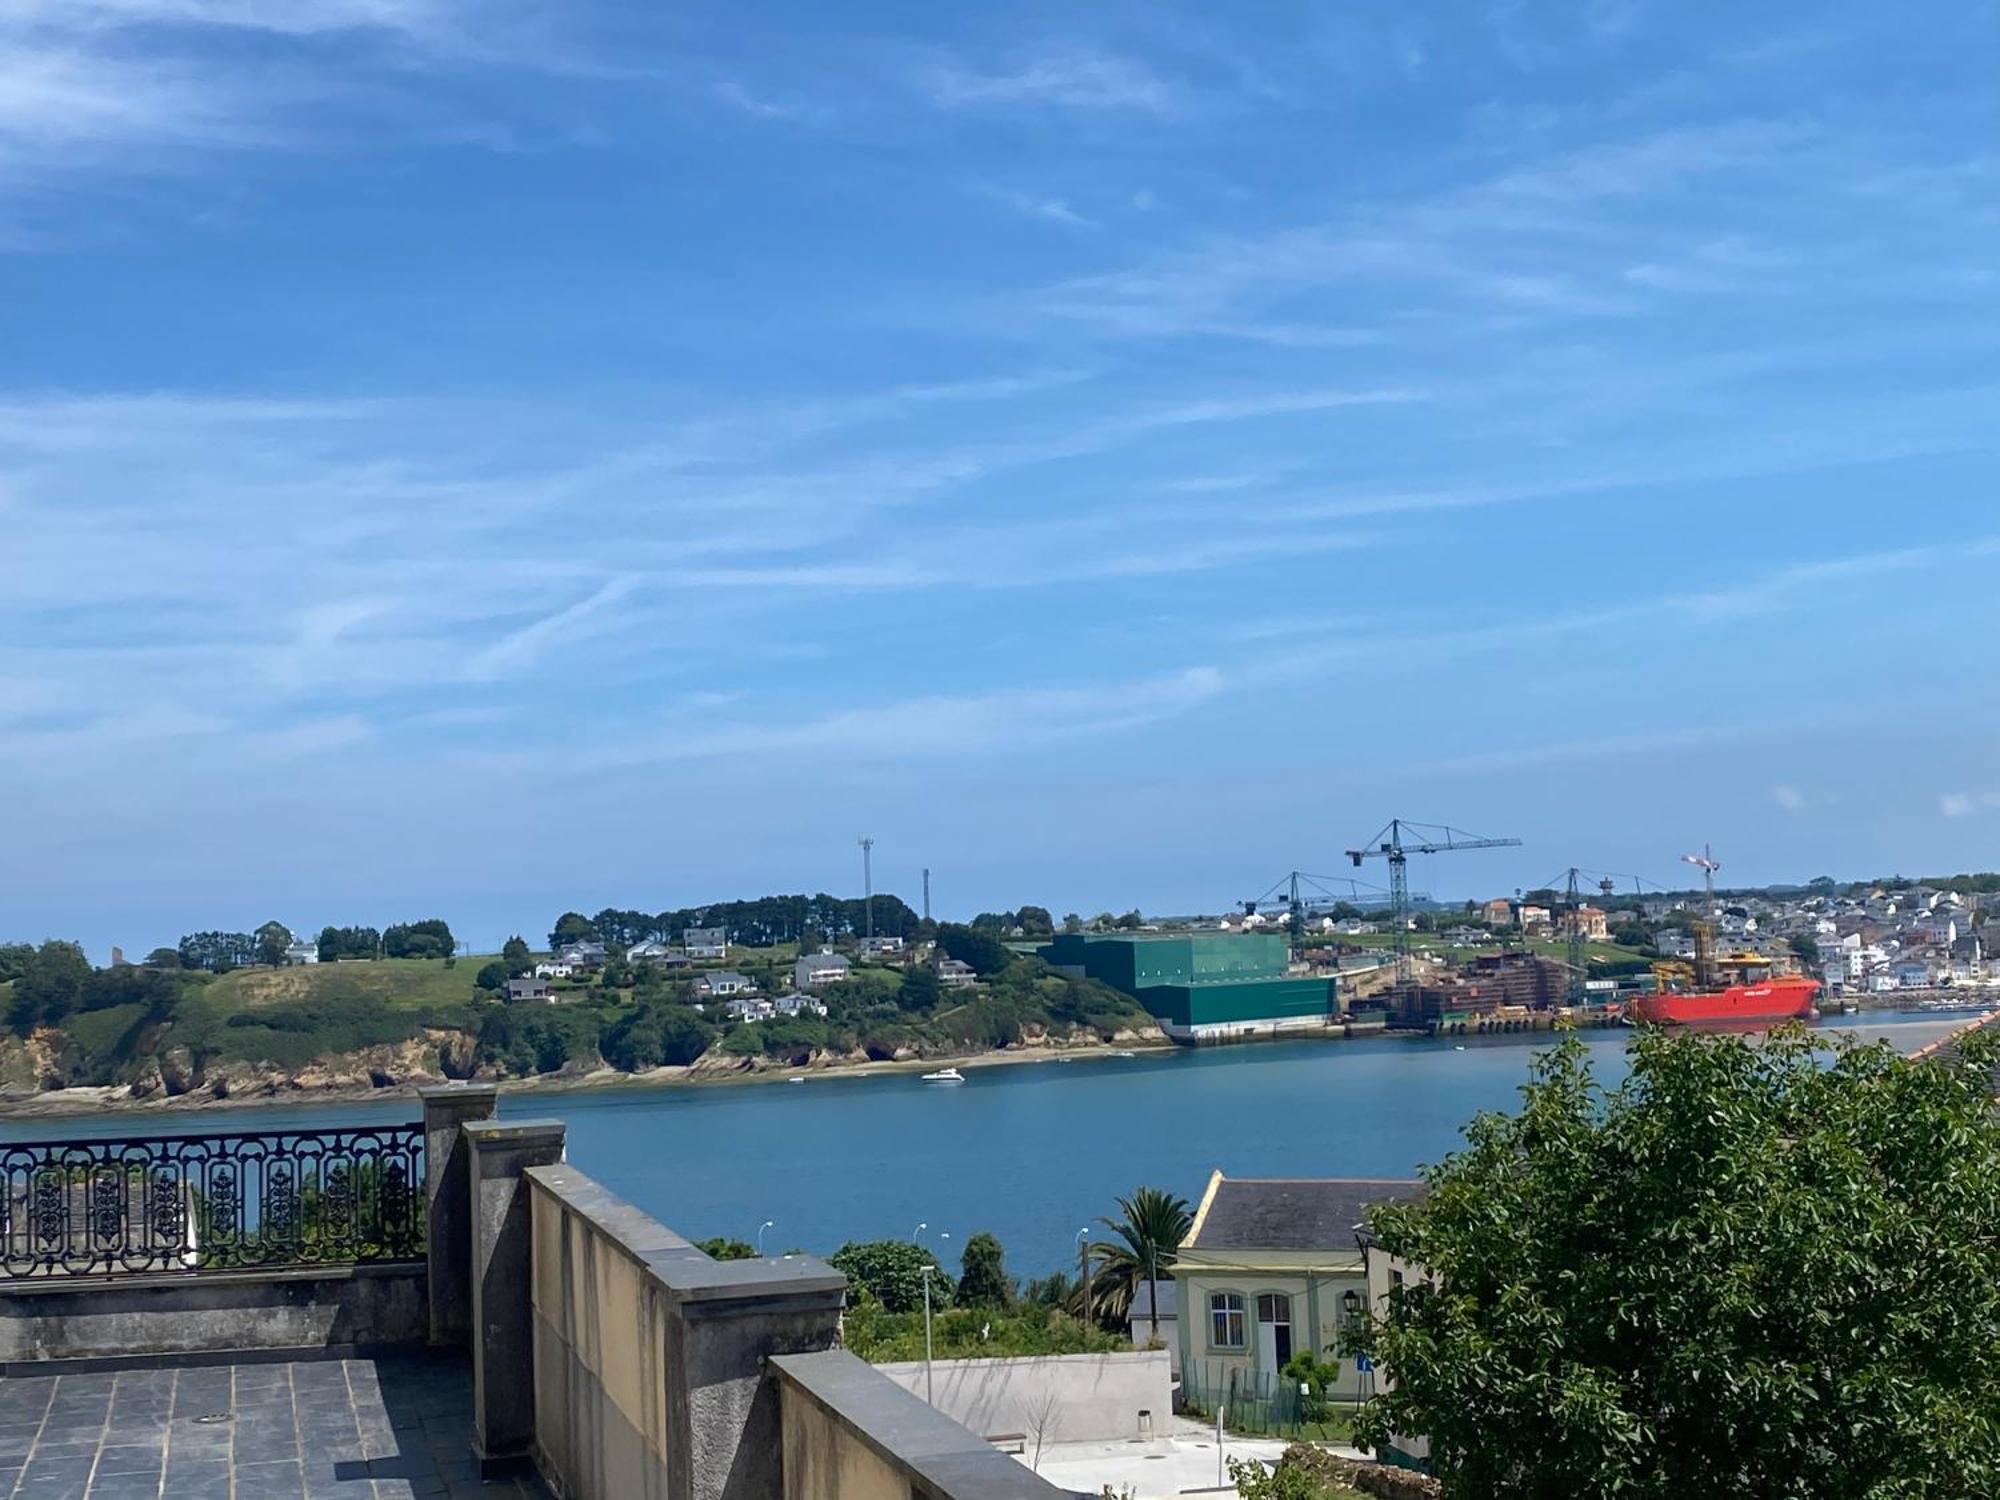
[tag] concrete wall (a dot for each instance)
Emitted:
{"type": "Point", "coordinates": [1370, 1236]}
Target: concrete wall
{"type": "Point", "coordinates": [849, 1434]}
{"type": "Point", "coordinates": [1095, 1397]}
{"type": "Point", "coordinates": [600, 1359]}
{"type": "Point", "coordinates": [651, 1361]}
{"type": "Point", "coordinates": [312, 1308]}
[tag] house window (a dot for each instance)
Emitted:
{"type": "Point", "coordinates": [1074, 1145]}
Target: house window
{"type": "Point", "coordinates": [1225, 1320]}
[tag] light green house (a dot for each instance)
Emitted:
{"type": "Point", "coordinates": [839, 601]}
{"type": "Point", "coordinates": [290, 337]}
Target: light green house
{"type": "Point", "coordinates": [1273, 1267]}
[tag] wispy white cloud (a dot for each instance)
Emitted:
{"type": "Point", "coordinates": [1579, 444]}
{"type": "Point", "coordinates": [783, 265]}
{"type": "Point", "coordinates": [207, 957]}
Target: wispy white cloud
{"type": "Point", "coordinates": [1966, 804]}
{"type": "Point", "coordinates": [1789, 797]}
{"type": "Point", "coordinates": [1039, 206]}
{"type": "Point", "coordinates": [942, 724]}
{"type": "Point", "coordinates": [1083, 80]}
{"type": "Point", "coordinates": [524, 646]}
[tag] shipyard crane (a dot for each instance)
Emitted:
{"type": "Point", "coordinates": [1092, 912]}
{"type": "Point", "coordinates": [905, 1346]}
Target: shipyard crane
{"type": "Point", "coordinates": [1704, 930]}
{"type": "Point", "coordinates": [1302, 895]}
{"type": "Point", "coordinates": [1391, 845]}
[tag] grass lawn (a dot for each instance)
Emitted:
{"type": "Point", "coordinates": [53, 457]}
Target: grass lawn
{"type": "Point", "coordinates": [394, 983]}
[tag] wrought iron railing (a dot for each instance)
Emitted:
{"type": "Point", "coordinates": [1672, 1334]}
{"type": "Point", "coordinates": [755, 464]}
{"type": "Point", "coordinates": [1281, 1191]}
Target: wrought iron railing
{"type": "Point", "coordinates": [211, 1202]}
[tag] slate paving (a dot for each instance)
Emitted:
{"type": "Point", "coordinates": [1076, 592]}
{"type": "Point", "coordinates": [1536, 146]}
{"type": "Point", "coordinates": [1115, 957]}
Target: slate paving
{"type": "Point", "coordinates": [356, 1429]}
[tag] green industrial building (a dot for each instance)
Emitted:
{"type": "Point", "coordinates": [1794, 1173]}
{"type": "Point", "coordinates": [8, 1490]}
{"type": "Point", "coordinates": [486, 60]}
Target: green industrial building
{"type": "Point", "coordinates": [1202, 987]}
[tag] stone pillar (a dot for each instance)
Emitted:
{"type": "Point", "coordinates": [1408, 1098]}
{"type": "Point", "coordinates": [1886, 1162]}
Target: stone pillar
{"type": "Point", "coordinates": [722, 1401]}
{"type": "Point", "coordinates": [503, 1345]}
{"type": "Point", "coordinates": [448, 1202]}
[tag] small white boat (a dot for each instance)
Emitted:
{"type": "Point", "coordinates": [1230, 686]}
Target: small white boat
{"type": "Point", "coordinates": [945, 1075]}
{"type": "Point", "coordinates": [1124, 1054]}
{"type": "Point", "coordinates": [796, 1078]}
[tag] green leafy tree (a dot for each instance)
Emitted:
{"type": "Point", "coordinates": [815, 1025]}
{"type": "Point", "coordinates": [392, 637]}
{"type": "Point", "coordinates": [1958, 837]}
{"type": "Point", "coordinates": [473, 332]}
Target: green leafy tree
{"type": "Point", "coordinates": [892, 1272]}
{"type": "Point", "coordinates": [919, 990]}
{"type": "Point", "coordinates": [493, 976]}
{"type": "Point", "coordinates": [427, 939]}
{"type": "Point", "coordinates": [14, 960]}
{"type": "Point", "coordinates": [336, 943]}
{"type": "Point", "coordinates": [1150, 1227]}
{"type": "Point", "coordinates": [517, 956]}
{"type": "Point", "coordinates": [1072, 923]}
{"type": "Point", "coordinates": [572, 927]}
{"type": "Point", "coordinates": [1751, 1269]}
{"type": "Point", "coordinates": [50, 988]}
{"type": "Point", "coordinates": [723, 1248]}
{"type": "Point", "coordinates": [1035, 922]}
{"type": "Point", "coordinates": [273, 938]}
{"type": "Point", "coordinates": [164, 958]}
{"type": "Point", "coordinates": [1805, 947]}
{"type": "Point", "coordinates": [1131, 921]}
{"type": "Point", "coordinates": [986, 954]}
{"type": "Point", "coordinates": [982, 1273]}
{"type": "Point", "coordinates": [657, 1035]}
{"type": "Point", "coordinates": [218, 952]}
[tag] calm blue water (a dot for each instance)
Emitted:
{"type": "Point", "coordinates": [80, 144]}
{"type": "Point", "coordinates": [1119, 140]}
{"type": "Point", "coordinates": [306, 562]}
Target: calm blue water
{"type": "Point", "coordinates": [1032, 1152]}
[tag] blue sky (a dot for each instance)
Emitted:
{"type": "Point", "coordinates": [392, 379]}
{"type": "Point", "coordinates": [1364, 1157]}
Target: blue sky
{"type": "Point", "coordinates": [483, 458]}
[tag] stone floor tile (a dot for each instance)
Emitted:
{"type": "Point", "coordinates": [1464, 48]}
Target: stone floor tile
{"type": "Point", "coordinates": [131, 1458]}
{"type": "Point", "coordinates": [270, 1481]}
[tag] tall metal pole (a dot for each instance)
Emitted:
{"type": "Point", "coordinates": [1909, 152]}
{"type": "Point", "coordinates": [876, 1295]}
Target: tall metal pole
{"type": "Point", "coordinates": [1578, 958]}
{"type": "Point", "coordinates": [927, 893]}
{"type": "Point", "coordinates": [930, 1394]}
{"type": "Point", "coordinates": [868, 884]}
{"type": "Point", "coordinates": [1083, 1270]}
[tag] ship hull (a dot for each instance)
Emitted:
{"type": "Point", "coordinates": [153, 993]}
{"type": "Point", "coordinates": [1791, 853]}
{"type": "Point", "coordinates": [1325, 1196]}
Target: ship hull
{"type": "Point", "coordinates": [1784, 999]}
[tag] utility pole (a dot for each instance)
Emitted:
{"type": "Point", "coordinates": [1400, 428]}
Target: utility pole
{"type": "Point", "coordinates": [930, 1395]}
{"type": "Point", "coordinates": [868, 884]}
{"type": "Point", "coordinates": [927, 893]}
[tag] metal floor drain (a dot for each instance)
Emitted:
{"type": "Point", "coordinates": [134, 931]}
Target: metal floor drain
{"type": "Point", "coordinates": [212, 1417]}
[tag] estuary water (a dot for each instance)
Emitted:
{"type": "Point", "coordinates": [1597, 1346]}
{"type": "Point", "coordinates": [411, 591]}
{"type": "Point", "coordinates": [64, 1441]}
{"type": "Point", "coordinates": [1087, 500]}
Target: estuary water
{"type": "Point", "coordinates": [1031, 1151]}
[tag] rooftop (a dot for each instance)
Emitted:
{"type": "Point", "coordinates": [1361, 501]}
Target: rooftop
{"type": "Point", "coordinates": [1290, 1213]}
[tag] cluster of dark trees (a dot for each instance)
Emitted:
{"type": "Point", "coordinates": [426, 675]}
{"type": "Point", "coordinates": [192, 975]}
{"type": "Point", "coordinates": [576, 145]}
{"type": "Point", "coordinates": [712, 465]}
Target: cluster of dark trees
{"type": "Point", "coordinates": [761, 923]}
{"type": "Point", "coordinates": [55, 981]}
{"type": "Point", "coordinates": [220, 952]}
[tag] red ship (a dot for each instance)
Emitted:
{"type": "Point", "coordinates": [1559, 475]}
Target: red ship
{"type": "Point", "coordinates": [1736, 987]}
{"type": "Point", "coordinates": [1782, 997]}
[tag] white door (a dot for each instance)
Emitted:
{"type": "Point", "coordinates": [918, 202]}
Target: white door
{"type": "Point", "coordinates": [1274, 1332]}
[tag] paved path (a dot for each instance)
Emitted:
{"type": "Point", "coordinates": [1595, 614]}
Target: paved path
{"type": "Point", "coordinates": [1171, 1465]}
{"type": "Point", "coordinates": [392, 1429]}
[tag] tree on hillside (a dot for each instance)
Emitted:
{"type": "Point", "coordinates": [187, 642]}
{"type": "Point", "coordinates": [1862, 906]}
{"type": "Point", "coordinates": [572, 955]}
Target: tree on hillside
{"type": "Point", "coordinates": [987, 955]}
{"type": "Point", "coordinates": [164, 958]}
{"type": "Point", "coordinates": [1751, 1269]}
{"type": "Point", "coordinates": [720, 1247]}
{"type": "Point", "coordinates": [218, 952]}
{"type": "Point", "coordinates": [492, 976]}
{"type": "Point", "coordinates": [1150, 1227]}
{"type": "Point", "coordinates": [892, 1272]}
{"type": "Point", "coordinates": [1805, 948]}
{"type": "Point", "coordinates": [572, 927]}
{"type": "Point", "coordinates": [1035, 922]}
{"type": "Point", "coordinates": [1132, 921]}
{"type": "Point", "coordinates": [1072, 923]}
{"type": "Point", "coordinates": [50, 988]}
{"type": "Point", "coordinates": [14, 960]}
{"type": "Point", "coordinates": [919, 990]}
{"type": "Point", "coordinates": [336, 943]}
{"type": "Point", "coordinates": [273, 938]}
{"type": "Point", "coordinates": [516, 955]}
{"type": "Point", "coordinates": [982, 1273]}
{"type": "Point", "coordinates": [427, 939]}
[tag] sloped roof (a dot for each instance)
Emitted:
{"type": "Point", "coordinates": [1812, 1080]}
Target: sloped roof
{"type": "Point", "coordinates": [1291, 1213]}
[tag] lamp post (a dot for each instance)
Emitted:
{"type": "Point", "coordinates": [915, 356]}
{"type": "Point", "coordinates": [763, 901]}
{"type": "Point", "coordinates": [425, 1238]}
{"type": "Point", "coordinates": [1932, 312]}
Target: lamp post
{"type": "Point", "coordinates": [930, 1394]}
{"type": "Point", "coordinates": [1083, 1270]}
{"type": "Point", "coordinates": [918, 1233]}
{"type": "Point", "coordinates": [767, 1224]}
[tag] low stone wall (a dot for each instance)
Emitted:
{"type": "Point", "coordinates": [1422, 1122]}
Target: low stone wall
{"type": "Point", "coordinates": [850, 1434]}
{"type": "Point", "coordinates": [315, 1309]}
{"type": "Point", "coordinates": [1081, 1398]}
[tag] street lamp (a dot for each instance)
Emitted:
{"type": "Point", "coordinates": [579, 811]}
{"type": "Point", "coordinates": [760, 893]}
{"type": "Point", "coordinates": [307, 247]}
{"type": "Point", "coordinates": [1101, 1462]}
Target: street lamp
{"type": "Point", "coordinates": [768, 1223]}
{"type": "Point", "coordinates": [930, 1394]}
{"type": "Point", "coordinates": [1083, 1270]}
{"type": "Point", "coordinates": [918, 1233]}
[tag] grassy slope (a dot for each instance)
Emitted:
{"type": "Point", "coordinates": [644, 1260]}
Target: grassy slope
{"type": "Point", "coordinates": [395, 983]}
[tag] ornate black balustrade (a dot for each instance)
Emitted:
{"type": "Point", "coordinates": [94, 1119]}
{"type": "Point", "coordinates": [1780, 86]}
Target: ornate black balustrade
{"type": "Point", "coordinates": [211, 1202]}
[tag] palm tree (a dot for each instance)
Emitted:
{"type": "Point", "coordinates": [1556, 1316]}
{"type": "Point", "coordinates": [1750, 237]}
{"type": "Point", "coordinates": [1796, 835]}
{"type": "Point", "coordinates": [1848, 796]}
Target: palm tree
{"type": "Point", "coordinates": [1150, 1227]}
